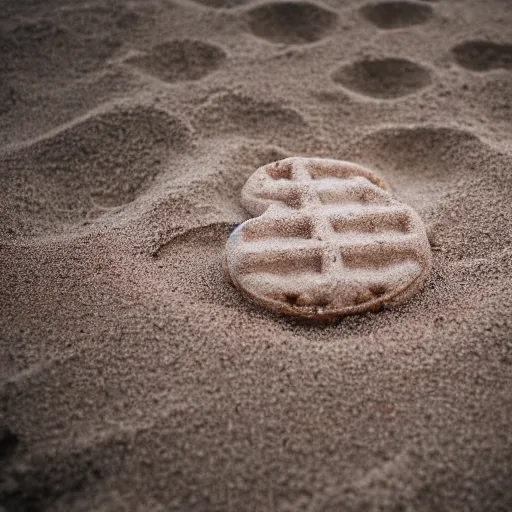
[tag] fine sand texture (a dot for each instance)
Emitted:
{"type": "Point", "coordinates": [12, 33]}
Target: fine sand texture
{"type": "Point", "coordinates": [133, 375]}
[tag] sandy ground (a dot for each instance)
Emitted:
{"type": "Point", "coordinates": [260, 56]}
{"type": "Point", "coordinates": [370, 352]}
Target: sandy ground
{"type": "Point", "coordinates": [133, 376]}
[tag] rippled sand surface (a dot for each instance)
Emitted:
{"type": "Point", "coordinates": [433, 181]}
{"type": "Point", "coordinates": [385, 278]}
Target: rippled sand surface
{"type": "Point", "coordinates": [133, 376]}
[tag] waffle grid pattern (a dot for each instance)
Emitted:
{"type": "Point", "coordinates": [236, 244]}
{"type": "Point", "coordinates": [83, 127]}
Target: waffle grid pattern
{"type": "Point", "coordinates": [331, 238]}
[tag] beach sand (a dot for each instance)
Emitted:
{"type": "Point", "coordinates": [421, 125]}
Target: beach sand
{"type": "Point", "coordinates": [133, 375]}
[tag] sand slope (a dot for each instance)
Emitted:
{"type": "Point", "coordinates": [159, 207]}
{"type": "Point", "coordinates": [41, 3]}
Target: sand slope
{"type": "Point", "coordinates": [133, 376]}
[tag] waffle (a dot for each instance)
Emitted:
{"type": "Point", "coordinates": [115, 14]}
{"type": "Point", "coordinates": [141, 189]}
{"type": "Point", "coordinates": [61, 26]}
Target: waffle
{"type": "Point", "coordinates": [328, 239]}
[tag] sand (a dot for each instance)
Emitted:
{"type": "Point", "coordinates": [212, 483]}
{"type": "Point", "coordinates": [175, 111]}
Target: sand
{"type": "Point", "coordinates": [133, 376]}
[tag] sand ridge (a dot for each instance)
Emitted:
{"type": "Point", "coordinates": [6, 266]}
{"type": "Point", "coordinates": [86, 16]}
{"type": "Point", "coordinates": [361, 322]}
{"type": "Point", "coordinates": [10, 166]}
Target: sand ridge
{"type": "Point", "coordinates": [133, 376]}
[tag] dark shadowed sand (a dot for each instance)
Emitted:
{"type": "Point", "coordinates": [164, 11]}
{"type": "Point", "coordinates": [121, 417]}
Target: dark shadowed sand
{"type": "Point", "coordinates": [133, 376]}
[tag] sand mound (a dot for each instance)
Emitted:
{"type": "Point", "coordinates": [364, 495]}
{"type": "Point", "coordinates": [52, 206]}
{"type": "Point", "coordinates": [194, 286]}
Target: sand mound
{"type": "Point", "coordinates": [423, 152]}
{"type": "Point", "coordinates": [239, 114]}
{"type": "Point", "coordinates": [175, 61]}
{"type": "Point", "coordinates": [88, 169]}
{"type": "Point", "coordinates": [44, 48]}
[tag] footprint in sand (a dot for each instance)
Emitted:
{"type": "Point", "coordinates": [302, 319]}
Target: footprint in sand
{"type": "Point", "coordinates": [84, 171]}
{"type": "Point", "coordinates": [396, 14]}
{"type": "Point", "coordinates": [291, 22]}
{"type": "Point", "coordinates": [237, 114]}
{"type": "Point", "coordinates": [422, 159]}
{"type": "Point", "coordinates": [483, 55]}
{"type": "Point", "coordinates": [436, 166]}
{"type": "Point", "coordinates": [386, 78]}
{"type": "Point", "coordinates": [431, 153]}
{"type": "Point", "coordinates": [180, 60]}
{"type": "Point", "coordinates": [52, 51]}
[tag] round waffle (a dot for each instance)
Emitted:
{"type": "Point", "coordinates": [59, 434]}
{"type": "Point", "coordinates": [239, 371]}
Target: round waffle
{"type": "Point", "coordinates": [329, 240]}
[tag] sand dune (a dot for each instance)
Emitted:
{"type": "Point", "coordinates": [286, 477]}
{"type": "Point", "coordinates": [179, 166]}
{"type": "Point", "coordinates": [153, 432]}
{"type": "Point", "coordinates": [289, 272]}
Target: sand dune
{"type": "Point", "coordinates": [133, 376]}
